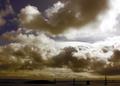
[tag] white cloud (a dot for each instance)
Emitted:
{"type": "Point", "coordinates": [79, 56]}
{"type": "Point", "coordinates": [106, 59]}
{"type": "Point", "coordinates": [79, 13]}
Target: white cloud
{"type": "Point", "coordinates": [95, 50]}
{"type": "Point", "coordinates": [50, 48]}
{"type": "Point", "coordinates": [30, 10]}
{"type": "Point", "coordinates": [29, 13]}
{"type": "Point", "coordinates": [54, 9]}
{"type": "Point", "coordinates": [109, 21]}
{"type": "Point", "coordinates": [47, 47]}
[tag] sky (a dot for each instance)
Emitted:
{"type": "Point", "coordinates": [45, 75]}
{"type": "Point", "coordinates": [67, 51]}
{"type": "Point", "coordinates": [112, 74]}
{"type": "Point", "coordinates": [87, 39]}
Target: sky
{"type": "Point", "coordinates": [17, 6]}
{"type": "Point", "coordinates": [41, 4]}
{"type": "Point", "coordinates": [61, 33]}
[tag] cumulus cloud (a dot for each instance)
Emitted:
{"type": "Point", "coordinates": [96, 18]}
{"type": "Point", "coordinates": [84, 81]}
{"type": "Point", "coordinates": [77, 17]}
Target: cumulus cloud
{"type": "Point", "coordinates": [47, 46]}
{"type": "Point", "coordinates": [55, 9]}
{"type": "Point", "coordinates": [20, 57]}
{"type": "Point", "coordinates": [31, 18]}
{"type": "Point", "coordinates": [101, 56]}
{"type": "Point", "coordinates": [103, 26]}
{"type": "Point", "coordinates": [66, 59]}
{"type": "Point", "coordinates": [113, 67]}
{"type": "Point", "coordinates": [29, 12]}
{"type": "Point", "coordinates": [39, 51]}
{"type": "Point", "coordinates": [64, 15]}
{"type": "Point", "coordinates": [34, 50]}
{"type": "Point", "coordinates": [77, 13]}
{"type": "Point", "coordinates": [28, 52]}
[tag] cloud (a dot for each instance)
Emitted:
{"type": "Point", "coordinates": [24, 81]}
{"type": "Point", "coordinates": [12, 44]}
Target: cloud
{"type": "Point", "coordinates": [2, 20]}
{"type": "Point", "coordinates": [28, 52]}
{"type": "Point", "coordinates": [29, 12]}
{"type": "Point", "coordinates": [64, 15]}
{"type": "Point", "coordinates": [66, 59]}
{"type": "Point", "coordinates": [39, 51]}
{"type": "Point", "coordinates": [20, 57]}
{"type": "Point", "coordinates": [114, 63]}
{"type": "Point", "coordinates": [31, 18]}
{"type": "Point", "coordinates": [47, 46]}
{"type": "Point", "coordinates": [89, 32]}
{"type": "Point", "coordinates": [32, 51]}
{"type": "Point", "coordinates": [5, 10]}
{"type": "Point", "coordinates": [77, 13]}
{"type": "Point", "coordinates": [102, 56]}
{"type": "Point", "coordinates": [10, 36]}
{"type": "Point", "coordinates": [55, 9]}
{"type": "Point", "coordinates": [106, 25]}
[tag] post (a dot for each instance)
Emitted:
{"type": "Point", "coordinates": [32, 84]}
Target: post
{"type": "Point", "coordinates": [88, 82]}
{"type": "Point", "coordinates": [73, 82]}
{"type": "Point", "coordinates": [105, 83]}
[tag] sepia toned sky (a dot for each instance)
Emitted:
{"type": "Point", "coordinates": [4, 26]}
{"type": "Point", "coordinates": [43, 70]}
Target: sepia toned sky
{"type": "Point", "coordinates": [41, 4]}
{"type": "Point", "coordinates": [82, 35]}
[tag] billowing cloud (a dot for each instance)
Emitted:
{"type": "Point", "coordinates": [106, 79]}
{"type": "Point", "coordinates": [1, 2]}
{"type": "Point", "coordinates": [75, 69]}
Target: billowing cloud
{"type": "Point", "coordinates": [29, 12]}
{"type": "Point", "coordinates": [94, 57]}
{"type": "Point", "coordinates": [77, 13]}
{"type": "Point", "coordinates": [113, 67]}
{"type": "Point", "coordinates": [31, 17]}
{"type": "Point", "coordinates": [36, 49]}
{"type": "Point", "coordinates": [20, 57]}
{"type": "Point", "coordinates": [47, 46]}
{"type": "Point", "coordinates": [28, 52]}
{"type": "Point", "coordinates": [71, 13]}
{"type": "Point", "coordinates": [39, 51]}
{"type": "Point", "coordinates": [106, 25]}
{"type": "Point", "coordinates": [55, 9]}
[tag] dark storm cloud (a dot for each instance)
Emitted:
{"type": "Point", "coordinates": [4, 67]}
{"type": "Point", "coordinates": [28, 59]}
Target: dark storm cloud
{"type": "Point", "coordinates": [75, 13]}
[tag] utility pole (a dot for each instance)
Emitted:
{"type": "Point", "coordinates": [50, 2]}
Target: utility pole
{"type": "Point", "coordinates": [105, 83]}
